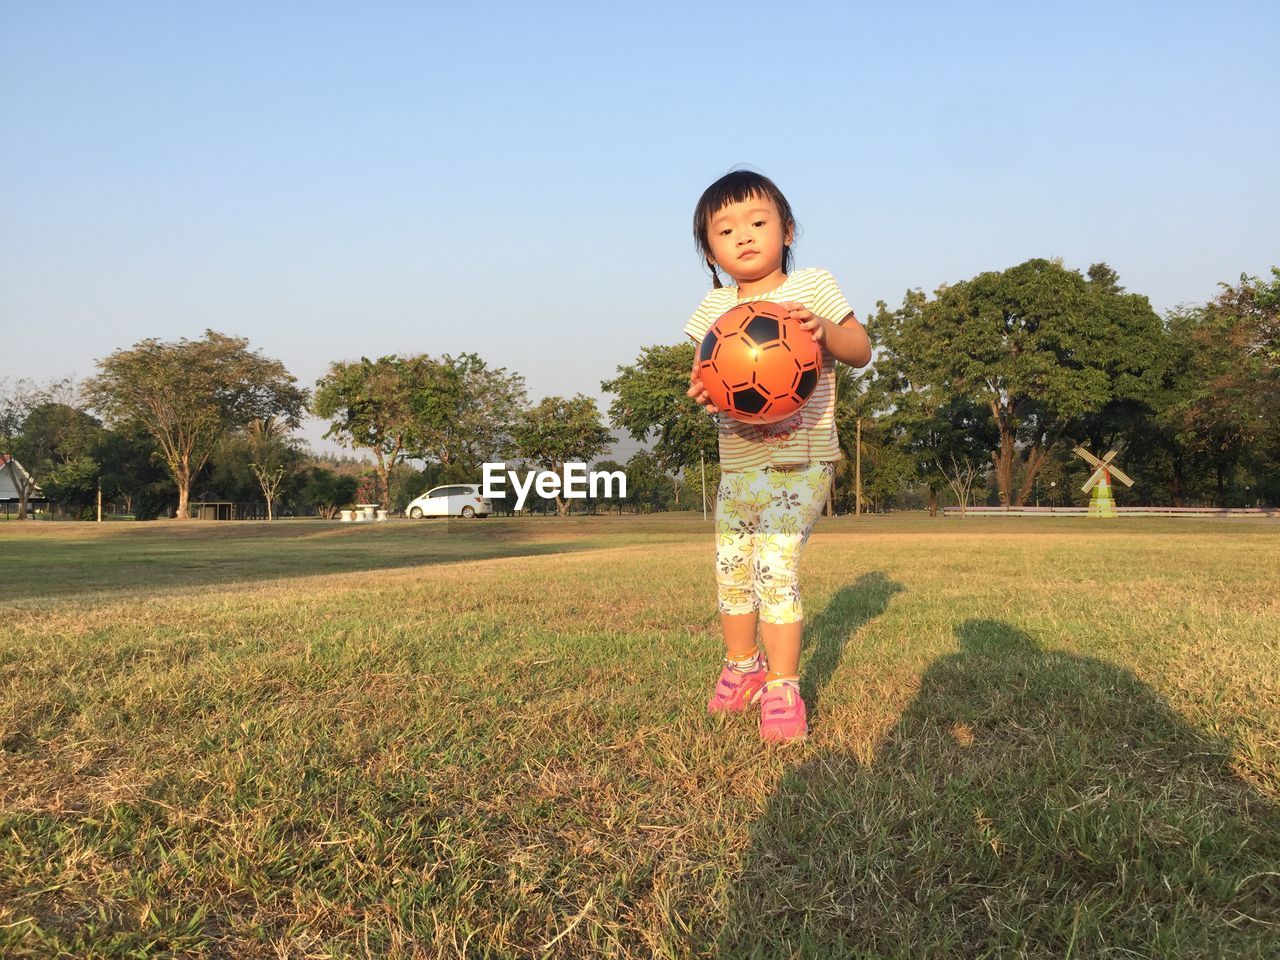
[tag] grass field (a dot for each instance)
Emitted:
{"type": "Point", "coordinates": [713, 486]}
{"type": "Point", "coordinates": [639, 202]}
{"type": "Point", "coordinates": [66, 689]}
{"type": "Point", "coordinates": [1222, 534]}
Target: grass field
{"type": "Point", "coordinates": [1031, 738]}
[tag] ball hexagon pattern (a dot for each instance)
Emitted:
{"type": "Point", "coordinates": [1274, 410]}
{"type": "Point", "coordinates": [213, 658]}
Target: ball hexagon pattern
{"type": "Point", "coordinates": [756, 363]}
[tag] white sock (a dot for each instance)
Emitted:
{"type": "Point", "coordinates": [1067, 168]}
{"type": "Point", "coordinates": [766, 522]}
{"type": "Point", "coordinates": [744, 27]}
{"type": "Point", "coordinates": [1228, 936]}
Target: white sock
{"type": "Point", "coordinates": [793, 682]}
{"type": "Point", "coordinates": [748, 664]}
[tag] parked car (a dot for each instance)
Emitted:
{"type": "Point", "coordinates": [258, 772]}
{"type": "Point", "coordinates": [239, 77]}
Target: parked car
{"type": "Point", "coordinates": [453, 500]}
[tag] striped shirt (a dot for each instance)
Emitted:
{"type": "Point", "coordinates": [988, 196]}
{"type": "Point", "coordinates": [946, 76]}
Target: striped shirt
{"type": "Point", "coordinates": [809, 435]}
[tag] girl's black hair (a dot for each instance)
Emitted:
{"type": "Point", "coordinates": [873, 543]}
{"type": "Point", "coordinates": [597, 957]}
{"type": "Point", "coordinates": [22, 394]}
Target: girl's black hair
{"type": "Point", "coordinates": [734, 188]}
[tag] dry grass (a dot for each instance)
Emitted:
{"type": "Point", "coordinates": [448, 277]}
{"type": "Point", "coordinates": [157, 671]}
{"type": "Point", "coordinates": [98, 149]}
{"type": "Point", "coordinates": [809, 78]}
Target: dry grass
{"type": "Point", "coordinates": [1031, 738]}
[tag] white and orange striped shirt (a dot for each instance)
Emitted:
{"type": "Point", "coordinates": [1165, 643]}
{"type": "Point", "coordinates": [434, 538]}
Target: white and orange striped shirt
{"type": "Point", "coordinates": [809, 436]}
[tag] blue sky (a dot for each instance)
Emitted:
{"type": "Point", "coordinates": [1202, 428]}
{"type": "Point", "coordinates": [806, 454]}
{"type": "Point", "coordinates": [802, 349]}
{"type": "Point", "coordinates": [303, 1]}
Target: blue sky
{"type": "Point", "coordinates": [517, 179]}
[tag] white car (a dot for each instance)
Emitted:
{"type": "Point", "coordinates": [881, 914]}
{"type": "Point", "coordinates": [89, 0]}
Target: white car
{"type": "Point", "coordinates": [454, 500]}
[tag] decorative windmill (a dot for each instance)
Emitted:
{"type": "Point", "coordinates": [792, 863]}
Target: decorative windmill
{"type": "Point", "coordinates": [1101, 503]}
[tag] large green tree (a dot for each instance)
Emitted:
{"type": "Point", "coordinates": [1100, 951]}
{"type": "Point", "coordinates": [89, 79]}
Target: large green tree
{"type": "Point", "coordinates": [478, 430]}
{"type": "Point", "coordinates": [58, 443]}
{"type": "Point", "coordinates": [61, 443]}
{"type": "Point", "coordinates": [1225, 418]}
{"type": "Point", "coordinates": [943, 436]}
{"type": "Point", "coordinates": [561, 430]}
{"type": "Point", "coordinates": [394, 407]}
{"type": "Point", "coordinates": [189, 394]}
{"type": "Point", "coordinates": [1039, 346]}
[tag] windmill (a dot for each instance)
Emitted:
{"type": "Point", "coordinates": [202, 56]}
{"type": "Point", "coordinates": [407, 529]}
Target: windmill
{"type": "Point", "coordinates": [1101, 503]}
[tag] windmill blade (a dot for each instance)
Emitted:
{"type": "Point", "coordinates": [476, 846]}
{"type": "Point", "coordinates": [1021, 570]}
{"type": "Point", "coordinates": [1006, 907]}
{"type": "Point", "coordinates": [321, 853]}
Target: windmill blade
{"type": "Point", "coordinates": [1119, 475]}
{"type": "Point", "coordinates": [1094, 480]}
{"type": "Point", "coordinates": [1088, 457]}
{"type": "Point", "coordinates": [1108, 457]}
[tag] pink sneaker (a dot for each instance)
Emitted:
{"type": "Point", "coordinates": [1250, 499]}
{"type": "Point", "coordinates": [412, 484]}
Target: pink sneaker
{"type": "Point", "coordinates": [736, 691]}
{"type": "Point", "coordinates": [782, 714]}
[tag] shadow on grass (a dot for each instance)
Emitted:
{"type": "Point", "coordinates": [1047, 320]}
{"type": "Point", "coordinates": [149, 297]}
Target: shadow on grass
{"type": "Point", "coordinates": [827, 634]}
{"type": "Point", "coordinates": [159, 557]}
{"type": "Point", "coordinates": [1028, 803]}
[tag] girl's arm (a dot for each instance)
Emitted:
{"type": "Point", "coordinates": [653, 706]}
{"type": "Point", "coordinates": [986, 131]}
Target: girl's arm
{"type": "Point", "coordinates": [846, 341]}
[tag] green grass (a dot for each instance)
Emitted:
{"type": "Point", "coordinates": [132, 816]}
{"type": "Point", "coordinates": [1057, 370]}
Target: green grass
{"type": "Point", "coordinates": [1031, 738]}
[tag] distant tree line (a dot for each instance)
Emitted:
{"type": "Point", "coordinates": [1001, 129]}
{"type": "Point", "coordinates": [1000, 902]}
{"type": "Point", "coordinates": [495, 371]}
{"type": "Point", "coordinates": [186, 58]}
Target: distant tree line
{"type": "Point", "coordinates": [978, 392]}
{"type": "Point", "coordinates": [983, 389]}
{"type": "Point", "coordinates": [166, 424]}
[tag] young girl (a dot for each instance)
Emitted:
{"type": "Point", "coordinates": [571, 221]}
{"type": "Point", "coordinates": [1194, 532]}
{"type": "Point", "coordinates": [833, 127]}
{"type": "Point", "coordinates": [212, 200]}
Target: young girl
{"type": "Point", "coordinates": [774, 478]}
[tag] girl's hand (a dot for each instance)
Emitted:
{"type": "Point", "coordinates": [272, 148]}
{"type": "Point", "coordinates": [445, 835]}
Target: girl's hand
{"type": "Point", "coordinates": [813, 325]}
{"type": "Point", "coordinates": [700, 395]}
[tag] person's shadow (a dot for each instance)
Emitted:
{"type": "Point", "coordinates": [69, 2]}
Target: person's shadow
{"type": "Point", "coordinates": [849, 609]}
{"type": "Point", "coordinates": [1028, 803]}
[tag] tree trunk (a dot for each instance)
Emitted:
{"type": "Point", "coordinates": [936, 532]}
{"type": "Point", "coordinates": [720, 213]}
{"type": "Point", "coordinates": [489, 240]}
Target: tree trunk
{"type": "Point", "coordinates": [1034, 461]}
{"type": "Point", "coordinates": [933, 501]}
{"type": "Point", "coordinates": [1004, 457]}
{"type": "Point", "coordinates": [1004, 467]}
{"type": "Point", "coordinates": [184, 492]}
{"type": "Point", "coordinates": [1176, 486]}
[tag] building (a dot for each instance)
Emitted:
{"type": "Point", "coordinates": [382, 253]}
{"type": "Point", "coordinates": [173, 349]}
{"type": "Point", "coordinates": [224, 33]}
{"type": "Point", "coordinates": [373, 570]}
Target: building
{"type": "Point", "coordinates": [12, 478]}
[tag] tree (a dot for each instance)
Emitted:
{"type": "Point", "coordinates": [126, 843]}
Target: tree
{"type": "Point", "coordinates": [648, 484]}
{"type": "Point", "coordinates": [74, 486]}
{"type": "Point", "coordinates": [478, 429]}
{"type": "Point", "coordinates": [650, 397]}
{"type": "Point", "coordinates": [960, 474]}
{"type": "Point", "coordinates": [1039, 346]}
{"type": "Point", "coordinates": [1226, 415]}
{"type": "Point", "coordinates": [43, 428]}
{"type": "Point", "coordinates": [558, 431]}
{"type": "Point", "coordinates": [132, 472]}
{"type": "Point", "coordinates": [929, 426]}
{"type": "Point", "coordinates": [326, 491]}
{"type": "Point", "coordinates": [392, 406]}
{"type": "Point", "coordinates": [260, 459]}
{"type": "Point", "coordinates": [189, 394]}
{"type": "Point", "coordinates": [606, 466]}
{"type": "Point", "coordinates": [275, 459]}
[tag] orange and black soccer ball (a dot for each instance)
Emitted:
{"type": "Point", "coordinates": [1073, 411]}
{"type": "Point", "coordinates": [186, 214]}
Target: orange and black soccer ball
{"type": "Point", "coordinates": [757, 364]}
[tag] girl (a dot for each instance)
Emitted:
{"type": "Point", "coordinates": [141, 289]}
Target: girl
{"type": "Point", "coordinates": [774, 478]}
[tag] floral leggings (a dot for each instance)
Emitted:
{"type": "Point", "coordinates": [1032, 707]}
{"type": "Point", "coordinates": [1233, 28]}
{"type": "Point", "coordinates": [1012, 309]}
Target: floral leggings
{"type": "Point", "coordinates": [763, 520]}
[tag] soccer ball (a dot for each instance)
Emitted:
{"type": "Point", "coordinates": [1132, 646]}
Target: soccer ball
{"type": "Point", "coordinates": [757, 365]}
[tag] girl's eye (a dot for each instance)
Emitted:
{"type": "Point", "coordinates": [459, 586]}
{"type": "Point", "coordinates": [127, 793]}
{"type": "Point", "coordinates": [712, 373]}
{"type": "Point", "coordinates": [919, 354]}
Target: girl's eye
{"type": "Point", "coordinates": [725, 232]}
{"type": "Point", "coordinates": [758, 223]}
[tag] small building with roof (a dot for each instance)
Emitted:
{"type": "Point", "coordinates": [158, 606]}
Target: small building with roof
{"type": "Point", "coordinates": [13, 478]}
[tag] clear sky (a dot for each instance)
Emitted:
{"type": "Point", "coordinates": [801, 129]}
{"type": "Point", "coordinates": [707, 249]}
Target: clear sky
{"type": "Point", "coordinates": [517, 179]}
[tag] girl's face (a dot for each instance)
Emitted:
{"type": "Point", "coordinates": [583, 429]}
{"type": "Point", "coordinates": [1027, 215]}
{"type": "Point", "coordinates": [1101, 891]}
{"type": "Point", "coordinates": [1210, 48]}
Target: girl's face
{"type": "Point", "coordinates": [748, 240]}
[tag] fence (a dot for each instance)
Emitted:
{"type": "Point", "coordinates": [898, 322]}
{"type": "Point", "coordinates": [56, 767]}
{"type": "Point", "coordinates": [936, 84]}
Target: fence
{"type": "Point", "coordinates": [227, 510]}
{"type": "Point", "coordinates": [1122, 511]}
